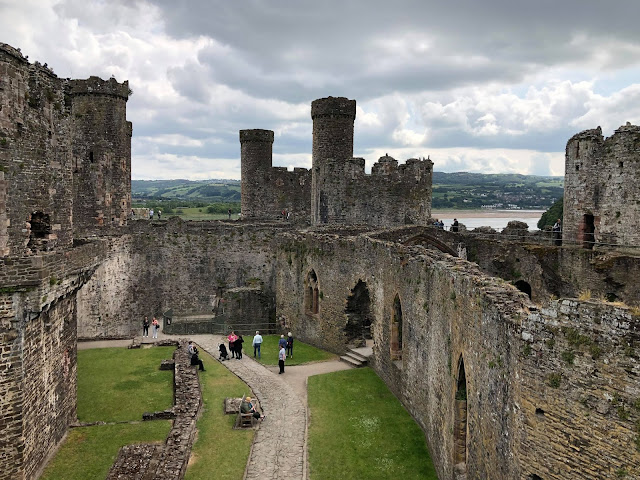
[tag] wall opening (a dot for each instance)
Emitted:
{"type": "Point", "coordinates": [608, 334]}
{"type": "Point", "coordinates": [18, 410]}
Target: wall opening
{"type": "Point", "coordinates": [533, 476]}
{"type": "Point", "coordinates": [358, 313]}
{"type": "Point", "coordinates": [460, 421]}
{"type": "Point", "coordinates": [523, 287]}
{"type": "Point", "coordinates": [589, 228]}
{"type": "Point", "coordinates": [311, 296]}
{"type": "Point", "coordinates": [396, 329]}
{"type": "Point", "coordinates": [40, 230]}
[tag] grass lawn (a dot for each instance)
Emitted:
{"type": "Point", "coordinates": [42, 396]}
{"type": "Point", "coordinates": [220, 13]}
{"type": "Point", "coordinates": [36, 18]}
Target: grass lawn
{"type": "Point", "coordinates": [302, 353]}
{"type": "Point", "coordinates": [118, 384]}
{"type": "Point", "coordinates": [219, 452]}
{"type": "Point", "coordinates": [358, 429]}
{"type": "Point", "coordinates": [89, 452]}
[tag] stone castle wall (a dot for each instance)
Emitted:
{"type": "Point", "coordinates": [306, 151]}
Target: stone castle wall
{"type": "Point", "coordinates": [268, 191]}
{"type": "Point", "coordinates": [35, 158]}
{"type": "Point", "coordinates": [602, 185]}
{"type": "Point", "coordinates": [452, 313]}
{"type": "Point", "coordinates": [577, 412]}
{"type": "Point", "coordinates": [177, 265]}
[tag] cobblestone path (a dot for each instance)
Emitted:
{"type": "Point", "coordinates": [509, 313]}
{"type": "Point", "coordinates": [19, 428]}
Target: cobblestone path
{"type": "Point", "coordinates": [279, 446]}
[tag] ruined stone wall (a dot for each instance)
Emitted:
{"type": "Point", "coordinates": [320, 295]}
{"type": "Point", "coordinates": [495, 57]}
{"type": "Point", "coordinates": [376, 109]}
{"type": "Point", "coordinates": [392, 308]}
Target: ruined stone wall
{"type": "Point", "coordinates": [38, 365]}
{"type": "Point", "coordinates": [268, 191]}
{"type": "Point", "coordinates": [101, 154]}
{"type": "Point", "coordinates": [578, 410]}
{"type": "Point", "coordinates": [35, 157]}
{"type": "Point", "coordinates": [450, 311]}
{"type": "Point", "coordinates": [549, 270]}
{"type": "Point", "coordinates": [602, 180]}
{"type": "Point", "coordinates": [392, 195]}
{"type": "Point", "coordinates": [183, 266]}
{"type": "Point", "coordinates": [453, 313]}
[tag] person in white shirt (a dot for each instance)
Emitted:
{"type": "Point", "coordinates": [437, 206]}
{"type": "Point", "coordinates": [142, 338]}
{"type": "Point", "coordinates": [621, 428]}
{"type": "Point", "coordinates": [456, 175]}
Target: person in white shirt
{"type": "Point", "coordinates": [281, 356]}
{"type": "Point", "coordinates": [257, 343]}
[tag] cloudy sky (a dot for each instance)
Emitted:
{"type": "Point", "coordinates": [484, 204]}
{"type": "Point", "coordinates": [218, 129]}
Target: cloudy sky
{"type": "Point", "coordinates": [490, 86]}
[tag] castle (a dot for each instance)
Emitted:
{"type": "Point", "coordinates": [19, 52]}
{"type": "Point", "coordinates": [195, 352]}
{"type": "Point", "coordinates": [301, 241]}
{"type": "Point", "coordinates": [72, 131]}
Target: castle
{"type": "Point", "coordinates": [505, 385]}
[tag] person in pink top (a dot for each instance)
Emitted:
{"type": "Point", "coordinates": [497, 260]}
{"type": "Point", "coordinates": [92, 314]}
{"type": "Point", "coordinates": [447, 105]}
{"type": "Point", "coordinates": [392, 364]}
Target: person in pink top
{"type": "Point", "coordinates": [156, 326]}
{"type": "Point", "coordinates": [232, 347]}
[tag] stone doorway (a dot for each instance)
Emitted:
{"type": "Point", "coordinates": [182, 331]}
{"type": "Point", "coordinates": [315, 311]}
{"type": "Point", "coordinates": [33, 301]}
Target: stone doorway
{"type": "Point", "coordinates": [460, 424]}
{"type": "Point", "coordinates": [358, 313]}
{"type": "Point", "coordinates": [40, 230]}
{"type": "Point", "coordinates": [523, 287]}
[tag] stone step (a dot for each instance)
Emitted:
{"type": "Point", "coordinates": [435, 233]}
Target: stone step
{"type": "Point", "coordinates": [351, 361]}
{"type": "Point", "coordinates": [357, 356]}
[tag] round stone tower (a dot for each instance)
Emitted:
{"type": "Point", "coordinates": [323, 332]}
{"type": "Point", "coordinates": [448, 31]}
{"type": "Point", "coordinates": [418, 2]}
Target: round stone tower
{"type": "Point", "coordinates": [255, 161]}
{"type": "Point", "coordinates": [101, 154]}
{"type": "Point", "coordinates": [333, 119]}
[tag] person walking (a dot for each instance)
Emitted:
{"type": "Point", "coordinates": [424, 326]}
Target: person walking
{"type": "Point", "coordinates": [281, 356]}
{"type": "Point", "coordinates": [145, 327]}
{"type": "Point", "coordinates": [290, 345]}
{"type": "Point", "coordinates": [156, 326]}
{"type": "Point", "coordinates": [257, 343]}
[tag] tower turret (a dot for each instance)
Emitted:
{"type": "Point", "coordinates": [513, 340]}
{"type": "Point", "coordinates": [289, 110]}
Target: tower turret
{"type": "Point", "coordinates": [333, 119]}
{"type": "Point", "coordinates": [101, 153]}
{"type": "Point", "coordinates": [255, 160]}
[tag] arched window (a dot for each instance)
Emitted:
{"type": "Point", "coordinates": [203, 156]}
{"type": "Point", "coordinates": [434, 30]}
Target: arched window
{"type": "Point", "coordinates": [396, 329]}
{"type": "Point", "coordinates": [311, 294]}
{"type": "Point", "coordinates": [460, 425]}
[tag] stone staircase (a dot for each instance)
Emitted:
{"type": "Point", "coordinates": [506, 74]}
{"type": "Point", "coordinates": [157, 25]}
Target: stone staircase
{"type": "Point", "coordinates": [357, 357]}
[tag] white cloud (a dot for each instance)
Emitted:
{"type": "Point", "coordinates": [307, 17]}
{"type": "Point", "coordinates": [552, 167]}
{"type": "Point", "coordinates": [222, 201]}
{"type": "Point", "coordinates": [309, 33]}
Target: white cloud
{"type": "Point", "coordinates": [480, 86]}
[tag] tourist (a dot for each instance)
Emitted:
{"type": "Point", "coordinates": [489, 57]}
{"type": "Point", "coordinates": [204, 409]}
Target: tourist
{"type": "Point", "coordinates": [257, 343]}
{"type": "Point", "coordinates": [159, 214]}
{"type": "Point", "coordinates": [247, 407]}
{"type": "Point", "coordinates": [232, 339]}
{"type": "Point", "coordinates": [283, 342]}
{"type": "Point", "coordinates": [156, 326]}
{"type": "Point", "coordinates": [195, 359]}
{"type": "Point", "coordinates": [145, 327]}
{"type": "Point", "coordinates": [281, 356]}
{"type": "Point", "coordinates": [238, 344]}
{"type": "Point", "coordinates": [290, 345]}
{"type": "Point", "coordinates": [557, 232]}
{"type": "Point", "coordinates": [229, 214]}
{"type": "Point", "coordinates": [151, 214]}
{"type": "Point", "coordinates": [454, 225]}
{"type": "Point", "coordinates": [223, 352]}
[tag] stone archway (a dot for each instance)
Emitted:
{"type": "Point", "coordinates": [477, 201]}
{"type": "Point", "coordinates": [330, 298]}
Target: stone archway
{"type": "Point", "coordinates": [358, 313]}
{"type": "Point", "coordinates": [523, 287]}
{"type": "Point", "coordinates": [460, 422]}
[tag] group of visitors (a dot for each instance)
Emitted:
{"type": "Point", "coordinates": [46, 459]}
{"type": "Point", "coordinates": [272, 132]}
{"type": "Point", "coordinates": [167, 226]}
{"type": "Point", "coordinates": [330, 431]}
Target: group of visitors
{"type": "Point", "coordinates": [155, 326]}
{"type": "Point", "coordinates": [440, 224]}
{"type": "Point", "coordinates": [235, 346]}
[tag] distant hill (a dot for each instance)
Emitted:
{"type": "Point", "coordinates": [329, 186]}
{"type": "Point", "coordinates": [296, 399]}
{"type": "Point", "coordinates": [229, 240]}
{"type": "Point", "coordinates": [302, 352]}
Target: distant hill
{"type": "Point", "coordinates": [208, 191]}
{"type": "Point", "coordinates": [477, 190]}
{"type": "Point", "coordinates": [450, 190]}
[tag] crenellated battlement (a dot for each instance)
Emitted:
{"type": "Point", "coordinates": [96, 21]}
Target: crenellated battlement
{"type": "Point", "coordinates": [333, 107]}
{"type": "Point", "coordinates": [256, 135]}
{"type": "Point", "coordinates": [97, 86]}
